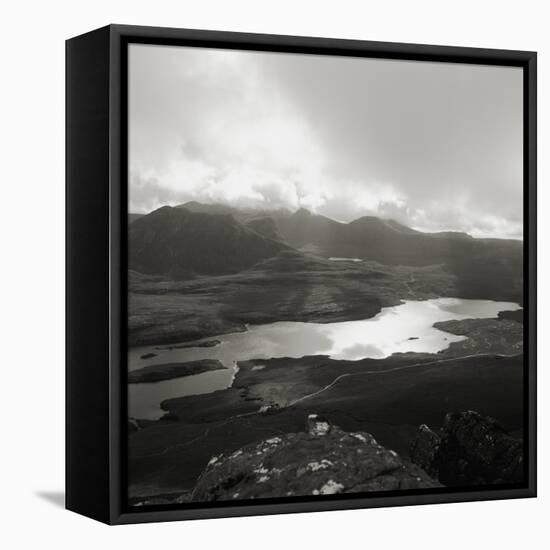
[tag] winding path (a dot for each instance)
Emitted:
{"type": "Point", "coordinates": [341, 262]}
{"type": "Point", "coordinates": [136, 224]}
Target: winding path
{"type": "Point", "coordinates": [395, 369]}
{"type": "Point", "coordinates": [324, 389]}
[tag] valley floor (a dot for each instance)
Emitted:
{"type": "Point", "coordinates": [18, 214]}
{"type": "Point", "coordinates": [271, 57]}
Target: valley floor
{"type": "Point", "coordinates": [389, 398]}
{"type": "Point", "coordinates": [289, 287]}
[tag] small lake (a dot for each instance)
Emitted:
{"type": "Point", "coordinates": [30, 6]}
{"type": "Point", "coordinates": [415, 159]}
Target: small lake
{"type": "Point", "coordinates": [334, 259]}
{"type": "Point", "coordinates": [404, 328]}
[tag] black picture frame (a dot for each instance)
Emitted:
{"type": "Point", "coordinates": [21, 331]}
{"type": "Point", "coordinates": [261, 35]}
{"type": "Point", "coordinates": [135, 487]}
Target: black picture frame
{"type": "Point", "coordinates": [96, 214]}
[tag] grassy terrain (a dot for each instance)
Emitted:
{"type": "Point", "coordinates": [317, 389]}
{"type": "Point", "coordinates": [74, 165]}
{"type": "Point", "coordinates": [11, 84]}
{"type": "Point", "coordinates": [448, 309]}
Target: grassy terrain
{"type": "Point", "coordinates": [516, 315]}
{"type": "Point", "coordinates": [157, 373]}
{"type": "Point", "coordinates": [501, 335]}
{"type": "Point", "coordinates": [171, 453]}
{"type": "Point", "coordinates": [387, 397]}
{"type": "Point", "coordinates": [483, 268]}
{"type": "Point", "coordinates": [289, 287]}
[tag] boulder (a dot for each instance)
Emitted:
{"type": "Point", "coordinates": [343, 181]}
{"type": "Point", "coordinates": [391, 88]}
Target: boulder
{"type": "Point", "coordinates": [424, 450]}
{"type": "Point", "coordinates": [322, 461]}
{"type": "Point", "coordinates": [471, 450]}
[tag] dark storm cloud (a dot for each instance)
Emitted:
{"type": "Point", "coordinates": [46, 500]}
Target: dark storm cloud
{"type": "Point", "coordinates": [436, 146]}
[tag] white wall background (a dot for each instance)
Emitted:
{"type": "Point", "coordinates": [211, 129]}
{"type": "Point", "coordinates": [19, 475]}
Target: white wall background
{"type": "Point", "coordinates": [32, 274]}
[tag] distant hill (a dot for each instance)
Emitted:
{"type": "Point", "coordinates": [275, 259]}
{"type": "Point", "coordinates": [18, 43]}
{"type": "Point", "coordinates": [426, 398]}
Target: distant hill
{"type": "Point", "coordinates": [243, 215]}
{"type": "Point", "coordinates": [304, 228]}
{"type": "Point", "coordinates": [218, 239]}
{"type": "Point", "coordinates": [369, 237]}
{"type": "Point", "coordinates": [266, 227]}
{"type": "Point", "coordinates": [179, 242]}
{"type": "Point", "coordinates": [194, 206]}
{"type": "Point", "coordinates": [490, 268]}
{"type": "Point", "coordinates": [386, 241]}
{"type": "Point", "coordinates": [133, 217]}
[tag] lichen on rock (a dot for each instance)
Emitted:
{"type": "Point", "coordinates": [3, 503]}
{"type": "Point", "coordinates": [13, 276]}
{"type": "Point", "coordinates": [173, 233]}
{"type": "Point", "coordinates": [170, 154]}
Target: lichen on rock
{"type": "Point", "coordinates": [324, 460]}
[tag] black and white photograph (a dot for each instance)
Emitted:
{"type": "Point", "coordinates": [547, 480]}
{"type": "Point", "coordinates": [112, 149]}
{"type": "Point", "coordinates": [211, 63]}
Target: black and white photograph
{"type": "Point", "coordinates": [325, 276]}
{"type": "Point", "coordinates": [274, 275]}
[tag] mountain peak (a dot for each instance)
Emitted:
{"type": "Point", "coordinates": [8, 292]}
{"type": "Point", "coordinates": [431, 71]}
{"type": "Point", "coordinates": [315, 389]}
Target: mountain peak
{"type": "Point", "coordinates": [214, 208]}
{"type": "Point", "coordinates": [181, 242]}
{"type": "Point", "coordinates": [302, 212]}
{"type": "Point", "coordinates": [382, 224]}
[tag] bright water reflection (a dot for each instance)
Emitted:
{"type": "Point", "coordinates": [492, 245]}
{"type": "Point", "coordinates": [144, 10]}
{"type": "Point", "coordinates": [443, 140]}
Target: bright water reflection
{"type": "Point", "coordinates": [404, 328]}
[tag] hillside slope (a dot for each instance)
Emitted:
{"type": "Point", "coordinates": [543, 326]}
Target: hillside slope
{"type": "Point", "coordinates": [484, 268]}
{"type": "Point", "coordinates": [182, 243]}
{"type": "Point", "coordinates": [242, 215]}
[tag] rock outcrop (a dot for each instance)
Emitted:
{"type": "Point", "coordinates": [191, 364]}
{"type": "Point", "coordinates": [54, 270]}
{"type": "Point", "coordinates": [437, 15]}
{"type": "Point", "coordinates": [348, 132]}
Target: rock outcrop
{"type": "Point", "coordinates": [470, 450]}
{"type": "Point", "coordinates": [322, 461]}
{"type": "Point", "coordinates": [424, 450]}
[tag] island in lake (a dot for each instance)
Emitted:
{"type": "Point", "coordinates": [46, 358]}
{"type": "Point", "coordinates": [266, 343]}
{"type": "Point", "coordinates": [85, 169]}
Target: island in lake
{"type": "Point", "coordinates": [325, 277]}
{"type": "Point", "coordinates": [167, 371]}
{"type": "Point", "coordinates": [236, 349]}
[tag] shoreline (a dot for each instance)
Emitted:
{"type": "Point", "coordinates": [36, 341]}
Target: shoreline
{"type": "Point", "coordinates": [169, 371]}
{"type": "Point", "coordinates": [185, 343]}
{"type": "Point", "coordinates": [199, 427]}
{"type": "Point", "coordinates": [267, 402]}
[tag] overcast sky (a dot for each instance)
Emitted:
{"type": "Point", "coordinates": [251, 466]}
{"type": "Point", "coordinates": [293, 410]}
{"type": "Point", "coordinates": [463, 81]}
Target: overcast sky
{"type": "Point", "coordinates": [433, 145]}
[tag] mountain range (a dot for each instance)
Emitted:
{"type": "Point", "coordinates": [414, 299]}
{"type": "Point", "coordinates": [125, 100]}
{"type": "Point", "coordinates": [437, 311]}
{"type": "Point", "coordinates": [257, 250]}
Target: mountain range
{"type": "Point", "coordinates": [211, 239]}
{"type": "Point", "coordinates": [242, 215]}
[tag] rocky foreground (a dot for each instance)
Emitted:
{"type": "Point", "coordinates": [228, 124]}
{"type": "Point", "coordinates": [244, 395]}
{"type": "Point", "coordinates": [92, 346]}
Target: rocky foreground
{"type": "Point", "coordinates": [325, 460]}
{"type": "Point", "coordinates": [469, 450]}
{"type": "Point", "coordinates": [169, 455]}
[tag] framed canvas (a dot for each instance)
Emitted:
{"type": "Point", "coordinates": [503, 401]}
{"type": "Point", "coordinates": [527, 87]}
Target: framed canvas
{"type": "Point", "coordinates": [301, 274]}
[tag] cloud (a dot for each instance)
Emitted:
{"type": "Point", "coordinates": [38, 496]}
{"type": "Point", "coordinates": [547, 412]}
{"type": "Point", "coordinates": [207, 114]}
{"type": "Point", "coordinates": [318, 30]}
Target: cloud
{"type": "Point", "coordinates": [232, 140]}
{"type": "Point", "coordinates": [432, 145]}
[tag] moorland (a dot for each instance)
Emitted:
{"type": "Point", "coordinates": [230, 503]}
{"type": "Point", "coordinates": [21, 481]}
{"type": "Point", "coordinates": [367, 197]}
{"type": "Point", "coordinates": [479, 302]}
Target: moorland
{"type": "Point", "coordinates": [203, 271]}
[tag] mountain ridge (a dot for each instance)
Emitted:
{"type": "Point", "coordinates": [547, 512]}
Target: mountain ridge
{"type": "Point", "coordinates": [183, 243]}
{"type": "Point", "coordinates": [232, 241]}
{"type": "Point", "coordinates": [242, 215]}
{"type": "Point", "coordinates": [246, 214]}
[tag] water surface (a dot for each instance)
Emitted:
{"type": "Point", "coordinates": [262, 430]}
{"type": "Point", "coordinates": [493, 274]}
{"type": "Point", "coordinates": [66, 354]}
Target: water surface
{"type": "Point", "coordinates": [334, 259]}
{"type": "Point", "coordinates": [403, 328]}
